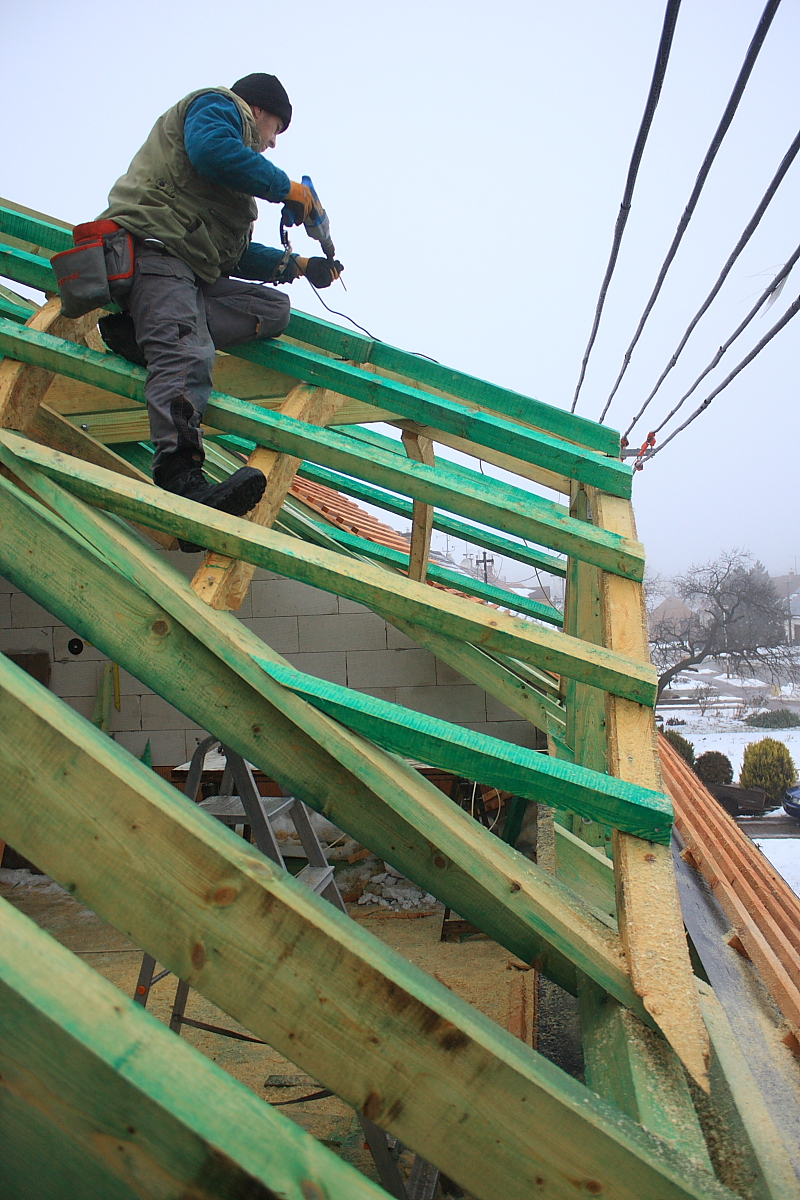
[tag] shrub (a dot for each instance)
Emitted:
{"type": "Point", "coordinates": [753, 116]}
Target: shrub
{"type": "Point", "coordinates": [768, 764]}
{"type": "Point", "coordinates": [774, 718]}
{"type": "Point", "coordinates": [714, 767]}
{"type": "Point", "coordinates": [684, 747]}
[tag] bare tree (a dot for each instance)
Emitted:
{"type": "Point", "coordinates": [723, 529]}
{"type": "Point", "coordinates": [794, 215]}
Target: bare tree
{"type": "Point", "coordinates": [737, 612]}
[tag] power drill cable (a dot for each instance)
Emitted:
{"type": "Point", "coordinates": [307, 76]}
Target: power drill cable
{"type": "Point", "coordinates": [664, 46]}
{"type": "Point", "coordinates": [776, 328]}
{"type": "Point", "coordinates": [787, 161]}
{"type": "Point", "coordinates": [727, 117]}
{"type": "Point", "coordinates": [336, 313]}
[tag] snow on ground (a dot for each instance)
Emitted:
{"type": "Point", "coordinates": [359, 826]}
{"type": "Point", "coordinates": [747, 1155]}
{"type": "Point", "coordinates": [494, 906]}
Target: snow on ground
{"type": "Point", "coordinates": [721, 731]}
{"type": "Point", "coordinates": [738, 681]}
{"type": "Point", "coordinates": [784, 854]}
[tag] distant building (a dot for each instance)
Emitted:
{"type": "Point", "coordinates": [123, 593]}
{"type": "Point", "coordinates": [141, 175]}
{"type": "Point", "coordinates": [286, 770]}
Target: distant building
{"type": "Point", "coordinates": [671, 609]}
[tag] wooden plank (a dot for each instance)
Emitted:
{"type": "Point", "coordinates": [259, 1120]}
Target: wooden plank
{"type": "Point", "coordinates": [585, 870]}
{"type": "Point", "coordinates": [506, 462]}
{"type": "Point", "coordinates": [484, 429]}
{"type": "Point", "coordinates": [420, 448]}
{"type": "Point", "coordinates": [647, 898]}
{"type": "Point", "coordinates": [393, 1042]}
{"type": "Point", "coordinates": [47, 233]}
{"type": "Point", "coordinates": [460, 529]}
{"type": "Point", "coordinates": [375, 797]}
{"type": "Point", "coordinates": [635, 1068]}
{"type": "Point", "coordinates": [348, 344]}
{"type": "Point", "coordinates": [224, 582]}
{"type": "Point", "coordinates": [314, 529]}
{"type": "Point", "coordinates": [122, 1106]}
{"type": "Point", "coordinates": [486, 500]}
{"type": "Point", "coordinates": [477, 756]}
{"type": "Point", "coordinates": [30, 269]}
{"type": "Point", "coordinates": [522, 1006]}
{"type": "Point", "coordinates": [23, 386]}
{"type": "Point", "coordinates": [328, 570]}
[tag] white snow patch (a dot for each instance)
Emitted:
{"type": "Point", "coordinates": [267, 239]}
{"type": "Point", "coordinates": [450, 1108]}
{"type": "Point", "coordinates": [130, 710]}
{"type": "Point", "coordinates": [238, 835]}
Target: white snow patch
{"type": "Point", "coordinates": [738, 681]}
{"type": "Point", "coordinates": [784, 854]}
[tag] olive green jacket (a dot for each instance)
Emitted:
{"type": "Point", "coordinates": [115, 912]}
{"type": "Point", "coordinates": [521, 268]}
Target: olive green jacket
{"type": "Point", "coordinates": [161, 195]}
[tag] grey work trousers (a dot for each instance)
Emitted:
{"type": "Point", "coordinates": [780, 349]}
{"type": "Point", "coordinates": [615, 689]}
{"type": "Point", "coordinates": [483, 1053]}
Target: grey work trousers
{"type": "Point", "coordinates": [180, 322]}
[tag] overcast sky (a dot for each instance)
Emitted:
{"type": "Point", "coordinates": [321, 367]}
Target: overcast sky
{"type": "Point", "coordinates": [472, 158]}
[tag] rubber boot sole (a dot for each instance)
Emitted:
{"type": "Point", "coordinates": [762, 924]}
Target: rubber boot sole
{"type": "Point", "coordinates": [235, 496]}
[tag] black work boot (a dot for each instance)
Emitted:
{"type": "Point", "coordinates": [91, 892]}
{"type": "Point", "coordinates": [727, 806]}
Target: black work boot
{"type": "Point", "coordinates": [236, 495]}
{"type": "Point", "coordinates": [118, 333]}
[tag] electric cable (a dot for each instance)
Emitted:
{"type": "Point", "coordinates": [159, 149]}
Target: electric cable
{"type": "Point", "coordinates": [776, 328]}
{"type": "Point", "coordinates": [723, 127]}
{"type": "Point", "coordinates": [753, 223]}
{"type": "Point", "coordinates": [336, 313]}
{"type": "Point", "coordinates": [773, 288]}
{"type": "Point", "coordinates": [659, 71]}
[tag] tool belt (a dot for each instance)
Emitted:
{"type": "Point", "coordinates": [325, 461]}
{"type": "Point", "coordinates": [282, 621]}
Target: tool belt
{"type": "Point", "coordinates": [97, 270]}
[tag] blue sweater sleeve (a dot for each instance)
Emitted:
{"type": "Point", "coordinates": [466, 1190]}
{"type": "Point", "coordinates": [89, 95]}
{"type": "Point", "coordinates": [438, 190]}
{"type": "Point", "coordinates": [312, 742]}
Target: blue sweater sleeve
{"type": "Point", "coordinates": [259, 262]}
{"type": "Point", "coordinates": [212, 134]}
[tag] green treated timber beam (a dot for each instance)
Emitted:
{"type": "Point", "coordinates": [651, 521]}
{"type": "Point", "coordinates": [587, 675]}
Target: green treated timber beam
{"type": "Point", "coordinates": [449, 525]}
{"type": "Point", "coordinates": [510, 768]}
{"type": "Point", "coordinates": [27, 268]}
{"type": "Point", "coordinates": [484, 429]}
{"type": "Point", "coordinates": [202, 661]}
{"type": "Point", "coordinates": [403, 508]}
{"type": "Point", "coordinates": [397, 1045]}
{"type": "Point", "coordinates": [357, 348]}
{"type": "Point", "coordinates": [14, 312]}
{"type": "Point", "coordinates": [35, 230]}
{"type": "Point", "coordinates": [375, 552]}
{"type": "Point", "coordinates": [320, 334]}
{"type": "Point", "coordinates": [586, 870]}
{"type": "Point", "coordinates": [488, 501]}
{"type": "Point", "coordinates": [328, 570]}
{"type": "Point", "coordinates": [598, 470]}
{"type": "Point", "coordinates": [94, 1089]}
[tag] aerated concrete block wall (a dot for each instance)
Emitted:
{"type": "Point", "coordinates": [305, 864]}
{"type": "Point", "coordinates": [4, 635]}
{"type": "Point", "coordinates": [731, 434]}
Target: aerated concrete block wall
{"type": "Point", "coordinates": [316, 632]}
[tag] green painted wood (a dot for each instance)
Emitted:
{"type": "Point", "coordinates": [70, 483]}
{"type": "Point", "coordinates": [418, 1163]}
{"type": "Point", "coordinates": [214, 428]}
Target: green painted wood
{"type": "Point", "coordinates": [639, 1072]}
{"type": "Point", "coordinates": [484, 429]}
{"type": "Point", "coordinates": [500, 505]}
{"type": "Point", "coordinates": [100, 1101]}
{"type": "Point", "coordinates": [26, 268]}
{"type": "Point", "coordinates": [206, 668]}
{"type": "Point", "coordinates": [477, 756]}
{"type": "Point", "coordinates": [324, 335]}
{"type": "Point", "coordinates": [586, 870]}
{"type": "Point", "coordinates": [361, 582]}
{"type": "Point", "coordinates": [14, 312]}
{"type": "Point", "coordinates": [402, 508]}
{"type": "Point", "coordinates": [26, 228]}
{"type": "Point", "coordinates": [392, 1041]}
{"type": "Point", "coordinates": [375, 552]}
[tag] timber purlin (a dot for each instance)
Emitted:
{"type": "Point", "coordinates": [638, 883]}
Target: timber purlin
{"type": "Point", "coordinates": [406, 1052]}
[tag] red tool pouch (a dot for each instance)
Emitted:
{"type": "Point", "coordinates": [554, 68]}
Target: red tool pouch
{"type": "Point", "coordinates": [98, 270]}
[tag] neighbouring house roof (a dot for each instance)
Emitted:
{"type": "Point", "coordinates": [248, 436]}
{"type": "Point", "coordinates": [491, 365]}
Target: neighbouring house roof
{"type": "Point", "coordinates": [673, 608]}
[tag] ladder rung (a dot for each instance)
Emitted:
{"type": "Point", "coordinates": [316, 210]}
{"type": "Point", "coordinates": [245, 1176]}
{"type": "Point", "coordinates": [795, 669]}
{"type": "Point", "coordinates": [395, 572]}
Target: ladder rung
{"type": "Point", "coordinates": [316, 878]}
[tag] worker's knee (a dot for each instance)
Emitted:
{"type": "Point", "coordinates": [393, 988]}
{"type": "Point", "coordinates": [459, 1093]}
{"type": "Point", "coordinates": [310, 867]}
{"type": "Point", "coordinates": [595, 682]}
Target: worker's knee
{"type": "Point", "coordinates": [240, 312]}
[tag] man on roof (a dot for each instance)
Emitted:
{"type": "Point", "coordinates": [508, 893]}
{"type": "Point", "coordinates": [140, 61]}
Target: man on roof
{"type": "Point", "coordinates": [187, 199]}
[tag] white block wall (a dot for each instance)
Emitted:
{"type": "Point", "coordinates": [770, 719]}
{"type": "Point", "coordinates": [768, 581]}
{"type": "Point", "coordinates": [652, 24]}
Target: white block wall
{"type": "Point", "coordinates": [316, 632]}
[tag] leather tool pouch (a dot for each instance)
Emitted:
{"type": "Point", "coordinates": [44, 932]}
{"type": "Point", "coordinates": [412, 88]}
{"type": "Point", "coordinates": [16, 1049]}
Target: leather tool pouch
{"type": "Point", "coordinates": [97, 270]}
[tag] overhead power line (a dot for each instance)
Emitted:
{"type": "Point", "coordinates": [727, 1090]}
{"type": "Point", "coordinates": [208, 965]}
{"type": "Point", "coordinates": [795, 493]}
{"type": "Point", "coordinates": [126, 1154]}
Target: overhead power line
{"type": "Point", "coordinates": [660, 70]}
{"type": "Point", "coordinates": [776, 328]}
{"type": "Point", "coordinates": [727, 117]}
{"type": "Point", "coordinates": [769, 292]}
{"type": "Point", "coordinates": [787, 161]}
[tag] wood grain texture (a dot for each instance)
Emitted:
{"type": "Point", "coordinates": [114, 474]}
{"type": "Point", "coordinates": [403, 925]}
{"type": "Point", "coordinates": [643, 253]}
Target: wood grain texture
{"type": "Point", "coordinates": [390, 1040]}
{"type": "Point", "coordinates": [648, 907]}
{"type": "Point", "coordinates": [361, 582]}
{"type": "Point", "coordinates": [101, 1101]}
{"type": "Point", "coordinates": [420, 449]}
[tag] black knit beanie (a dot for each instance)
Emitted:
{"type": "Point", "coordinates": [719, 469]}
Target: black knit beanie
{"type": "Point", "coordinates": [267, 92]}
